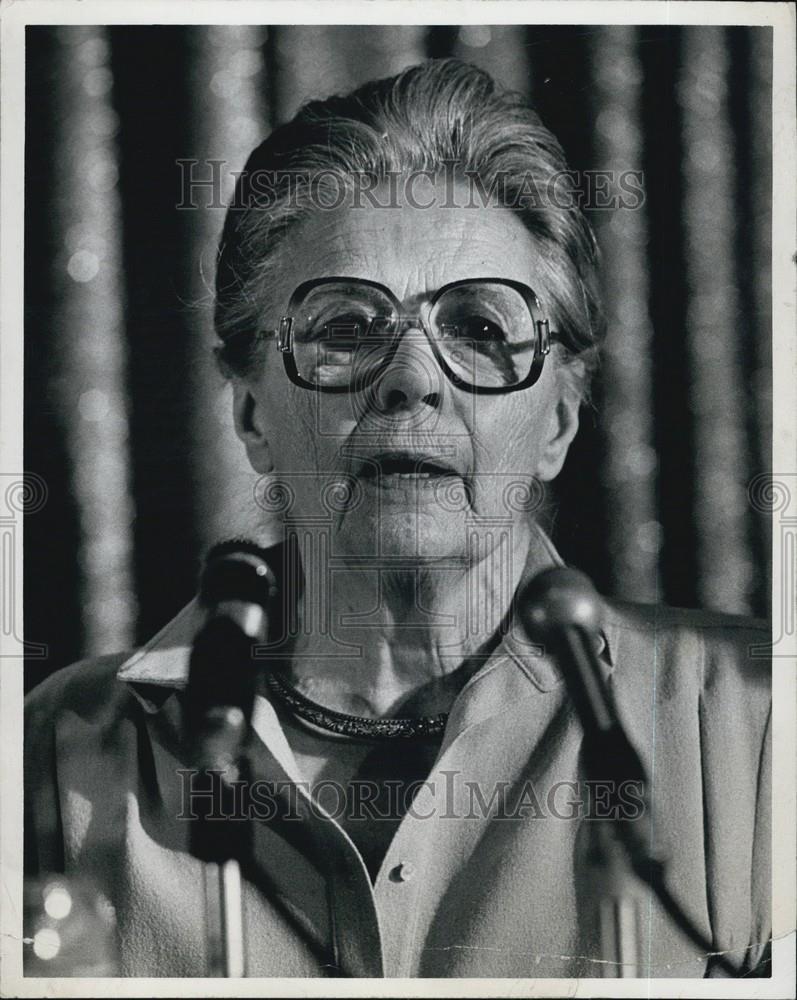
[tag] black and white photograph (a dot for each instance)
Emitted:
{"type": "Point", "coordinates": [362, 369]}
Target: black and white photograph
{"type": "Point", "coordinates": [399, 499]}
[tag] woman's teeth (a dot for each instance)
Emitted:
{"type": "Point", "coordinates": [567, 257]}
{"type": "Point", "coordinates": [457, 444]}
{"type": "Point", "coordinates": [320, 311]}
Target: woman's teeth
{"type": "Point", "coordinates": [407, 475]}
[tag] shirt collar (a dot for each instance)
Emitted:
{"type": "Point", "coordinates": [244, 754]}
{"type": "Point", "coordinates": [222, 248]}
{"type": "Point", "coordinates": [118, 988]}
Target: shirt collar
{"type": "Point", "coordinates": [161, 666]}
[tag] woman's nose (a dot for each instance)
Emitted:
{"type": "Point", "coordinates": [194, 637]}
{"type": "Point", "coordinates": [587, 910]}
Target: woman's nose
{"type": "Point", "coordinates": [412, 377]}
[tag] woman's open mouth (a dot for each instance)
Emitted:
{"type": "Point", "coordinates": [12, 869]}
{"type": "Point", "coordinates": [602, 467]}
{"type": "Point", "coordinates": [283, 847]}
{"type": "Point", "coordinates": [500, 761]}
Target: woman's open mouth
{"type": "Point", "coordinates": [395, 468]}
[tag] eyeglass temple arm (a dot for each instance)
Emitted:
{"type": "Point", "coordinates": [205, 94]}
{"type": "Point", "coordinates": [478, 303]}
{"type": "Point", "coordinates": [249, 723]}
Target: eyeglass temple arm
{"type": "Point", "coordinates": [544, 336]}
{"type": "Point", "coordinates": [285, 334]}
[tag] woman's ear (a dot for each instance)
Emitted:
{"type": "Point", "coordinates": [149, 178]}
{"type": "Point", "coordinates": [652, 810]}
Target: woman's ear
{"type": "Point", "coordinates": [563, 425]}
{"type": "Point", "coordinates": [250, 428]}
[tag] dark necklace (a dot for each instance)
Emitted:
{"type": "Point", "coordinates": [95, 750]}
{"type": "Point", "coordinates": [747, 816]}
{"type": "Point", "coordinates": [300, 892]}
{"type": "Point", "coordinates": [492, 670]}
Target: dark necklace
{"type": "Point", "coordinates": [353, 725]}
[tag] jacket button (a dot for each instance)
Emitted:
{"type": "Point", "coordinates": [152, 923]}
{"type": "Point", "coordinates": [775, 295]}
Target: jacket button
{"type": "Point", "coordinates": [402, 872]}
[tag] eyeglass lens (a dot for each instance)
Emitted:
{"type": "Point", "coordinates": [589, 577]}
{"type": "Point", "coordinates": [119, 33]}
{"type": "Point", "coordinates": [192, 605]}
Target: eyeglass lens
{"type": "Point", "coordinates": [345, 332]}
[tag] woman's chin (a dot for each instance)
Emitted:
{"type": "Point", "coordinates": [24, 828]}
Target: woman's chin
{"type": "Point", "coordinates": [410, 535]}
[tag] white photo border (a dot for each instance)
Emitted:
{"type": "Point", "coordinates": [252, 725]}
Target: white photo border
{"type": "Point", "coordinates": [15, 17]}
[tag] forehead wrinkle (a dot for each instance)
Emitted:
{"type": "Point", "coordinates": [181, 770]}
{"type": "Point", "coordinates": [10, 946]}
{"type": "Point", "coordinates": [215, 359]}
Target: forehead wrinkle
{"type": "Point", "coordinates": [412, 252]}
{"type": "Point", "coordinates": [324, 249]}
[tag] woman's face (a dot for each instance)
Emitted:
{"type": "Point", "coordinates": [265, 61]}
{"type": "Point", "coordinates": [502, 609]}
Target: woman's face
{"type": "Point", "coordinates": [490, 449]}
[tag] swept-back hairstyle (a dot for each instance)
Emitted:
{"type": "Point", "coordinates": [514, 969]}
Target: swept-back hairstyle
{"type": "Point", "coordinates": [441, 115]}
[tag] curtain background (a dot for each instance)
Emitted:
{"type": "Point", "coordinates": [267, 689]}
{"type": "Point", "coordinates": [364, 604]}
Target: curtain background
{"type": "Point", "coordinates": [128, 424]}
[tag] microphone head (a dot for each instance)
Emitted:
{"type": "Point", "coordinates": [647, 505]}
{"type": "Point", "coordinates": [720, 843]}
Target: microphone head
{"type": "Point", "coordinates": [559, 598]}
{"type": "Point", "coordinates": [239, 589]}
{"type": "Point", "coordinates": [237, 570]}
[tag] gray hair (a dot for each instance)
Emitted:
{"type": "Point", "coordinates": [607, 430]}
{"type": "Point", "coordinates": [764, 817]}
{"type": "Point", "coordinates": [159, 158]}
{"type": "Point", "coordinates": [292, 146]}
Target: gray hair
{"type": "Point", "coordinates": [439, 115]}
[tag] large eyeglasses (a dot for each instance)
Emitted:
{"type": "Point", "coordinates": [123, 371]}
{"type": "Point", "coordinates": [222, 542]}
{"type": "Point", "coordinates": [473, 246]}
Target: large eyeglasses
{"type": "Point", "coordinates": [487, 334]}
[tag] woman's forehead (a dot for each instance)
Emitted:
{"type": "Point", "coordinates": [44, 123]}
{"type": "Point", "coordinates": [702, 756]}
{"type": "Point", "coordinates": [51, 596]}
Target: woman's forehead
{"type": "Point", "coordinates": [412, 250]}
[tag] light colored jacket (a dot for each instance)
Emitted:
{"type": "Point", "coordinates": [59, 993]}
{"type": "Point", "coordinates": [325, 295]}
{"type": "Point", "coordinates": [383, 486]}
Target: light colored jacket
{"type": "Point", "coordinates": [461, 892]}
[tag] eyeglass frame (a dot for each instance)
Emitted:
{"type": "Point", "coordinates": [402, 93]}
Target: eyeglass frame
{"type": "Point", "coordinates": [284, 335]}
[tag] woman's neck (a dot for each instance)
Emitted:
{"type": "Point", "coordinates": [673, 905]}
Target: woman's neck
{"type": "Point", "coordinates": [386, 642]}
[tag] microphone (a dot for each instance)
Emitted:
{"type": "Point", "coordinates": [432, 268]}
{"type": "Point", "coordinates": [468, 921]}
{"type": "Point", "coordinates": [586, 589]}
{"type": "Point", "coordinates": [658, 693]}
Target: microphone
{"type": "Point", "coordinates": [561, 609]}
{"type": "Point", "coordinates": [238, 590]}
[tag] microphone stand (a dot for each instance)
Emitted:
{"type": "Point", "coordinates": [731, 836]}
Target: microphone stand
{"type": "Point", "coordinates": [560, 607]}
{"type": "Point", "coordinates": [618, 904]}
{"type": "Point", "coordinates": [219, 837]}
{"type": "Point", "coordinates": [610, 759]}
{"type": "Point", "coordinates": [224, 912]}
{"type": "Point", "coordinates": [220, 840]}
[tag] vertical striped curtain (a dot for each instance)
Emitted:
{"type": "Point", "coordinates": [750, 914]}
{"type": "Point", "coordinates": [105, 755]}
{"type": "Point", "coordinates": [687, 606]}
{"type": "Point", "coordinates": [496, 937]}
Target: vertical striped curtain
{"type": "Point", "coordinates": [128, 422]}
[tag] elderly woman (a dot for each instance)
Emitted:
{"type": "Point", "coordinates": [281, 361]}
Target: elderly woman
{"type": "Point", "coordinates": [407, 309]}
